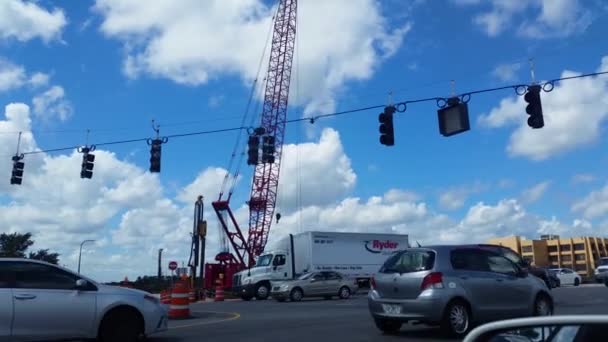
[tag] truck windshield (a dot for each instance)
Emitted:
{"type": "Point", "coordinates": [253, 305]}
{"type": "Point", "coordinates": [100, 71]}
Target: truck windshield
{"type": "Point", "coordinates": [264, 260]}
{"type": "Point", "coordinates": [409, 261]}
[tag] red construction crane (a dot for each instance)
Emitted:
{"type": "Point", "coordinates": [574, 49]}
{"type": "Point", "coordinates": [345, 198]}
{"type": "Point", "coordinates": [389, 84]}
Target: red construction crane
{"type": "Point", "coordinates": [272, 129]}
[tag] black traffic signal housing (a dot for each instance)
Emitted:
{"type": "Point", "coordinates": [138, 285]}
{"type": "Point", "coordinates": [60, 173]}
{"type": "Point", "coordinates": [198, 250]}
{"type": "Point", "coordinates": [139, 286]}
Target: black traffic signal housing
{"type": "Point", "coordinates": [268, 149]}
{"type": "Point", "coordinates": [387, 132]}
{"type": "Point", "coordinates": [453, 118]}
{"type": "Point", "coordinates": [155, 154]}
{"type": "Point", "coordinates": [86, 170]}
{"type": "Point", "coordinates": [253, 150]}
{"type": "Point", "coordinates": [17, 174]}
{"type": "Point", "coordinates": [534, 107]}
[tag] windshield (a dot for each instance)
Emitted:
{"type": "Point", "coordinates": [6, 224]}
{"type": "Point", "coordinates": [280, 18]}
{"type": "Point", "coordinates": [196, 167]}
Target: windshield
{"type": "Point", "coordinates": [603, 261]}
{"type": "Point", "coordinates": [264, 260]}
{"type": "Point", "coordinates": [409, 261]}
{"type": "Point", "coordinates": [305, 276]}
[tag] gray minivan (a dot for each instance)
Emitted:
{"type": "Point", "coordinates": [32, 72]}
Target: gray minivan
{"type": "Point", "coordinates": [454, 287]}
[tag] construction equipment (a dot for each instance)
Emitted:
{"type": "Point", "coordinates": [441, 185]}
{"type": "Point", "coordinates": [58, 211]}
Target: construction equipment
{"type": "Point", "coordinates": [271, 131]}
{"type": "Point", "coordinates": [197, 252]}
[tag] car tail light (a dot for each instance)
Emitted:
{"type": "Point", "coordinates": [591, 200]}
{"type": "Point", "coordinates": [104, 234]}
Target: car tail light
{"type": "Point", "coordinates": [372, 283]}
{"type": "Point", "coordinates": [432, 280]}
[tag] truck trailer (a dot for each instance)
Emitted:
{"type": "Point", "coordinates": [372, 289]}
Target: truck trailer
{"type": "Point", "coordinates": [355, 255]}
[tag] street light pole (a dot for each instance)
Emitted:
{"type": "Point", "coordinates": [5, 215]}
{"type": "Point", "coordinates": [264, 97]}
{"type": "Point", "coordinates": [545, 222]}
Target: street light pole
{"type": "Point", "coordinates": [80, 253]}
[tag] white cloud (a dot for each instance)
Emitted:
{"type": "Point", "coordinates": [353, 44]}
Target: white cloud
{"type": "Point", "coordinates": [533, 18]}
{"type": "Point", "coordinates": [11, 76]}
{"type": "Point", "coordinates": [207, 184]}
{"type": "Point", "coordinates": [39, 79]}
{"type": "Point", "coordinates": [193, 41]}
{"type": "Point", "coordinates": [594, 205]}
{"type": "Point", "coordinates": [558, 18]}
{"type": "Point", "coordinates": [583, 178]}
{"type": "Point", "coordinates": [563, 109]}
{"type": "Point", "coordinates": [506, 72]}
{"type": "Point", "coordinates": [52, 104]}
{"type": "Point", "coordinates": [315, 173]}
{"type": "Point", "coordinates": [26, 20]}
{"type": "Point", "coordinates": [455, 197]}
{"type": "Point", "coordinates": [484, 221]}
{"type": "Point", "coordinates": [398, 195]}
{"type": "Point", "coordinates": [535, 192]}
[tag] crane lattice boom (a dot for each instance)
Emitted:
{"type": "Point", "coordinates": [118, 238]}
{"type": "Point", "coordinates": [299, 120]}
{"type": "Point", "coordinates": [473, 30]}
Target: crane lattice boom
{"type": "Point", "coordinates": [265, 182]}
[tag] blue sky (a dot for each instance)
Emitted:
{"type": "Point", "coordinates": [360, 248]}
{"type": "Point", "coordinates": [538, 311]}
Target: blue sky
{"type": "Point", "coordinates": [113, 65]}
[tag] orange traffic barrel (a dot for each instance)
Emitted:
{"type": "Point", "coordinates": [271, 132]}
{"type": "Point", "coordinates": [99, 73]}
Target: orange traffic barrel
{"type": "Point", "coordinates": [165, 297]}
{"type": "Point", "coordinates": [192, 296]}
{"type": "Point", "coordinates": [219, 291]}
{"type": "Point", "coordinates": [180, 302]}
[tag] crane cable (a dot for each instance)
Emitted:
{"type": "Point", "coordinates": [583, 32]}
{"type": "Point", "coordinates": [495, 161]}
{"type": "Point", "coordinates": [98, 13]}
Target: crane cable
{"type": "Point", "coordinates": [236, 172]}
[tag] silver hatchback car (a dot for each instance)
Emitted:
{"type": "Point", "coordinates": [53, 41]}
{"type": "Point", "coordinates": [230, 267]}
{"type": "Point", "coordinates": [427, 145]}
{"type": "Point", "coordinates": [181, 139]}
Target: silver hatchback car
{"type": "Point", "coordinates": [454, 287]}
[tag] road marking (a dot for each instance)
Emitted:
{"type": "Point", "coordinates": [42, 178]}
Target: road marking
{"type": "Point", "coordinates": [234, 316]}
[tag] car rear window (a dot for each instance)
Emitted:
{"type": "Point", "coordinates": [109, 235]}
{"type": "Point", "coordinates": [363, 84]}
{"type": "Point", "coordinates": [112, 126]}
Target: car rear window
{"type": "Point", "coordinates": [409, 261]}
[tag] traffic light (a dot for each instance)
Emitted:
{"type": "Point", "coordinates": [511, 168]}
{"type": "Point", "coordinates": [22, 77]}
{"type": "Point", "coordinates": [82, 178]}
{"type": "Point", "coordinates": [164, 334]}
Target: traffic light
{"type": "Point", "coordinates": [17, 174]}
{"type": "Point", "coordinates": [387, 133]}
{"type": "Point", "coordinates": [86, 171]}
{"type": "Point", "coordinates": [155, 153]}
{"type": "Point", "coordinates": [253, 150]}
{"type": "Point", "coordinates": [534, 107]}
{"type": "Point", "coordinates": [454, 117]}
{"type": "Point", "coordinates": [268, 149]}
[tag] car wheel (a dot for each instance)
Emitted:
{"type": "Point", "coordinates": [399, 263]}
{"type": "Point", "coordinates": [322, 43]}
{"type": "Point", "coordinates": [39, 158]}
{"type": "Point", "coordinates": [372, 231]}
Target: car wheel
{"type": "Point", "coordinates": [296, 295]}
{"type": "Point", "coordinates": [577, 282]}
{"type": "Point", "coordinates": [388, 326]}
{"type": "Point", "coordinates": [543, 306]}
{"type": "Point", "coordinates": [262, 292]}
{"type": "Point", "coordinates": [344, 292]}
{"type": "Point", "coordinates": [121, 325]}
{"type": "Point", "coordinates": [456, 319]}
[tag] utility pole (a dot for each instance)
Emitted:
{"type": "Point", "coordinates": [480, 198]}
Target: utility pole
{"type": "Point", "coordinates": [160, 273]}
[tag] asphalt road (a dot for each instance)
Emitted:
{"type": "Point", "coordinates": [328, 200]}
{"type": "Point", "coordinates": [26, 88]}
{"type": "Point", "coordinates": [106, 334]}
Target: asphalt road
{"type": "Point", "coordinates": [335, 320]}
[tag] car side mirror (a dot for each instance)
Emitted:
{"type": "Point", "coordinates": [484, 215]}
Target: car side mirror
{"type": "Point", "coordinates": [81, 284]}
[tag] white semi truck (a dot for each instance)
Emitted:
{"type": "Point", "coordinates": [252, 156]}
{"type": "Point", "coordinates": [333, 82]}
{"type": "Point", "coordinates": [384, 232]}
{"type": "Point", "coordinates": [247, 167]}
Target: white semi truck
{"type": "Point", "coordinates": [355, 255]}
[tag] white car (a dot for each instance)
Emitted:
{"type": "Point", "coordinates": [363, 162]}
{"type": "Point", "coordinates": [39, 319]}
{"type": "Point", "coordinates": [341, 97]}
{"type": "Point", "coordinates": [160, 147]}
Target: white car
{"type": "Point", "coordinates": [601, 272]}
{"type": "Point", "coordinates": [567, 276]}
{"type": "Point", "coordinates": [40, 301]}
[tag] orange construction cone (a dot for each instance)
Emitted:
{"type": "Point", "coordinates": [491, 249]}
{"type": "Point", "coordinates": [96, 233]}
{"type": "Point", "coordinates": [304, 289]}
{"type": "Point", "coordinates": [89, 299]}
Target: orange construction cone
{"type": "Point", "coordinates": [180, 303]}
{"type": "Point", "coordinates": [219, 289]}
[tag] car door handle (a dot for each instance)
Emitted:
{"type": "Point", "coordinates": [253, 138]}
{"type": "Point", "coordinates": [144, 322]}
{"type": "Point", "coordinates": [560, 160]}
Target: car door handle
{"type": "Point", "coordinates": [464, 277]}
{"type": "Point", "coordinates": [500, 279]}
{"type": "Point", "coordinates": [24, 296]}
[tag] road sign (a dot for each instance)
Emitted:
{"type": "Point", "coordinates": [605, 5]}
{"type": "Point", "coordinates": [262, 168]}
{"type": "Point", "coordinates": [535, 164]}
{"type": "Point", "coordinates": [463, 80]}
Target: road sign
{"type": "Point", "coordinates": [173, 265]}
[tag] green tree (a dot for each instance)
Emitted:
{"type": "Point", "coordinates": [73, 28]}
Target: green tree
{"type": "Point", "coordinates": [44, 255]}
{"type": "Point", "coordinates": [14, 245]}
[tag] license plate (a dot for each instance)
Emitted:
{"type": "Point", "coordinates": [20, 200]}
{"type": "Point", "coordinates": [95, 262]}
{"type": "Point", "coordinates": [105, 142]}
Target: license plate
{"type": "Point", "coordinates": [391, 309]}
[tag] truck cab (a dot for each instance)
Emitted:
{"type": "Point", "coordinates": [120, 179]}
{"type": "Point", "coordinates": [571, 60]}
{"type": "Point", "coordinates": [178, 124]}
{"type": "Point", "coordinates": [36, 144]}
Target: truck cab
{"type": "Point", "coordinates": [255, 281]}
